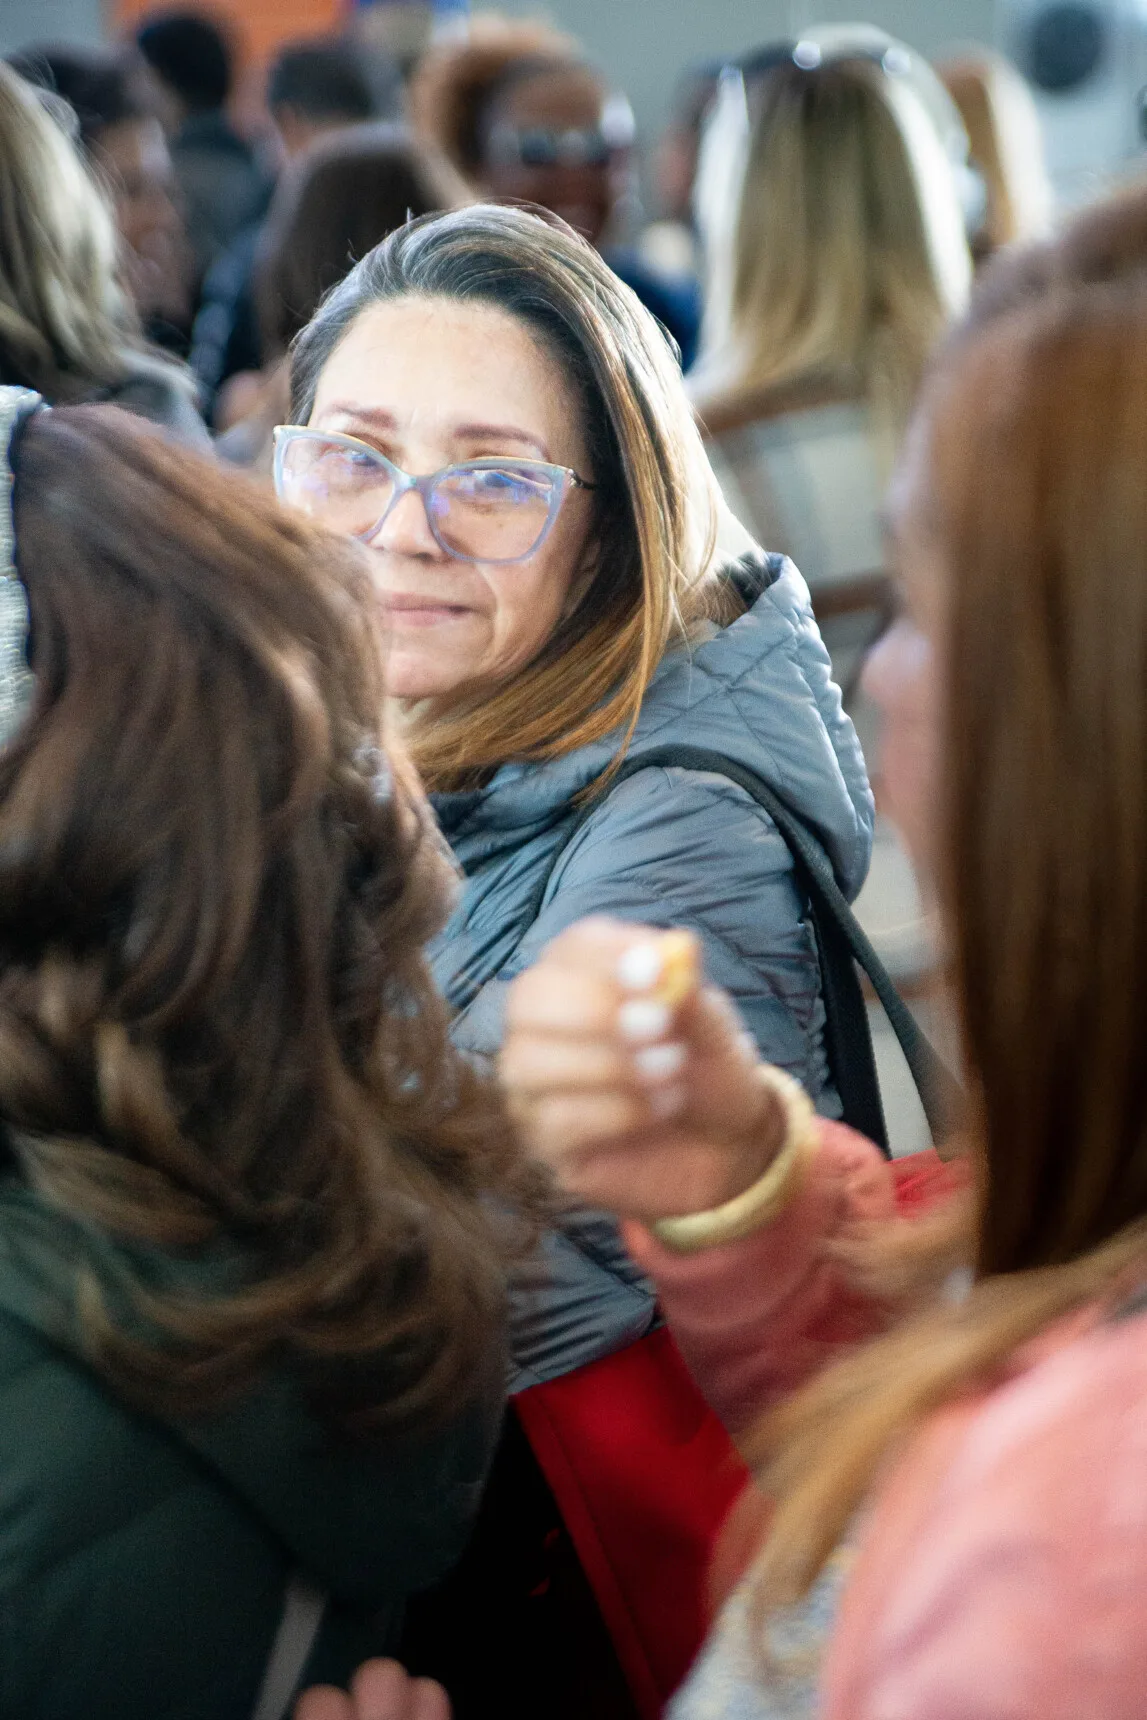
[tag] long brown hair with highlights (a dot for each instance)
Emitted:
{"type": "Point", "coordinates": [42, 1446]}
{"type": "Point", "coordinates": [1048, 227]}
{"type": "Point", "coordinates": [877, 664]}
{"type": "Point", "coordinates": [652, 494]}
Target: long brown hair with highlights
{"type": "Point", "coordinates": [219, 1046]}
{"type": "Point", "coordinates": [1036, 434]}
{"type": "Point", "coordinates": [656, 509]}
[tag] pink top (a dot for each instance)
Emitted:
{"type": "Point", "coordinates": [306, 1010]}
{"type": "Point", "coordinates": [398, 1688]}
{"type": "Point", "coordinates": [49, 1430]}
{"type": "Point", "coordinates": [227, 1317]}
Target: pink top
{"type": "Point", "coordinates": [1002, 1574]}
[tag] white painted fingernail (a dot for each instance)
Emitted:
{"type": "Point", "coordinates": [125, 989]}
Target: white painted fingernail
{"type": "Point", "coordinates": [666, 1101]}
{"type": "Point", "coordinates": [640, 967]}
{"type": "Point", "coordinates": [641, 1020]}
{"type": "Point", "coordinates": [659, 1062]}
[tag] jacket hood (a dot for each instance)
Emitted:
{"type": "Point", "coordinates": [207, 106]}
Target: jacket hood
{"type": "Point", "coordinates": [759, 691]}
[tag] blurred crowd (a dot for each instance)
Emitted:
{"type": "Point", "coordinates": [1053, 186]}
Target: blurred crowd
{"type": "Point", "coordinates": [817, 210]}
{"type": "Point", "coordinates": [455, 1258]}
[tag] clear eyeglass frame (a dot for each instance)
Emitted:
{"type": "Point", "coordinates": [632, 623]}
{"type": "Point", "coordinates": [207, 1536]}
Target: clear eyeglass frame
{"type": "Point", "coordinates": [561, 478]}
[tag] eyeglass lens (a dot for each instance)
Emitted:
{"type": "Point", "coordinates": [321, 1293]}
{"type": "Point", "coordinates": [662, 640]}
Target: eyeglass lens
{"type": "Point", "coordinates": [494, 513]}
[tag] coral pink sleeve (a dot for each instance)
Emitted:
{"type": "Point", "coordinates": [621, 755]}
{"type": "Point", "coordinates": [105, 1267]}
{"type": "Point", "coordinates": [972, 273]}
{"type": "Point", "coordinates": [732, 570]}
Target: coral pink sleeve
{"type": "Point", "coordinates": [755, 1318]}
{"type": "Point", "coordinates": [1002, 1573]}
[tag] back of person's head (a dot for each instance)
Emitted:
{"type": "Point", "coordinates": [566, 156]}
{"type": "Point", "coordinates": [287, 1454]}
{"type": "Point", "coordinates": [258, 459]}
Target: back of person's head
{"type": "Point", "coordinates": [329, 80]}
{"type": "Point", "coordinates": [849, 256]}
{"type": "Point", "coordinates": [337, 203]}
{"type": "Point", "coordinates": [655, 513]}
{"type": "Point", "coordinates": [457, 83]}
{"type": "Point", "coordinates": [1101, 244]}
{"type": "Point", "coordinates": [1023, 523]}
{"type": "Point", "coordinates": [100, 85]}
{"type": "Point", "coordinates": [1034, 429]}
{"type": "Point", "coordinates": [218, 1038]}
{"type": "Point", "coordinates": [1005, 145]}
{"type": "Point", "coordinates": [190, 55]}
{"type": "Point", "coordinates": [66, 324]}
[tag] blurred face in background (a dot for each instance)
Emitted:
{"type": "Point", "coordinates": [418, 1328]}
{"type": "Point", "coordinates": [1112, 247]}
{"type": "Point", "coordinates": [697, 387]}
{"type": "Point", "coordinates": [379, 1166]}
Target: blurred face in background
{"type": "Point", "coordinates": [135, 157]}
{"type": "Point", "coordinates": [431, 383]}
{"type": "Point", "coordinates": [678, 147]}
{"type": "Point", "coordinates": [903, 673]}
{"type": "Point", "coordinates": [558, 138]}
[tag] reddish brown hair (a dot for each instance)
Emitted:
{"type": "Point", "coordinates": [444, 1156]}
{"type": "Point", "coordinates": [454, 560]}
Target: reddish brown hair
{"type": "Point", "coordinates": [218, 1039]}
{"type": "Point", "coordinates": [1102, 244]}
{"type": "Point", "coordinates": [456, 82]}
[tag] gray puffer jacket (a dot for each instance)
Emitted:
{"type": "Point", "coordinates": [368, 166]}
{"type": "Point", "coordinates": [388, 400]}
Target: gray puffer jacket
{"type": "Point", "coordinates": [667, 847]}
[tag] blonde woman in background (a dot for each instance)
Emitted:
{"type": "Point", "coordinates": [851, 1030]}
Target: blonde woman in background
{"type": "Point", "coordinates": [1006, 147]}
{"type": "Point", "coordinates": [845, 260]}
{"type": "Point", "coordinates": [68, 327]}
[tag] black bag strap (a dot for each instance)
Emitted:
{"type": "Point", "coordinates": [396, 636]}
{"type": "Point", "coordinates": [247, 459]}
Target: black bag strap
{"type": "Point", "coordinates": [842, 946]}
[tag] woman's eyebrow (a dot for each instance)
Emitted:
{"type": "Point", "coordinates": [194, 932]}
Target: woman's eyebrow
{"type": "Point", "coordinates": [499, 433]}
{"type": "Point", "coordinates": [380, 419]}
{"type": "Point", "coordinates": [375, 415]}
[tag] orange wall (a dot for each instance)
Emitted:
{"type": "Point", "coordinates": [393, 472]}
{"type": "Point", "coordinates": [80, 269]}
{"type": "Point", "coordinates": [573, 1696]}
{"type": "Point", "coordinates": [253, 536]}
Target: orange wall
{"type": "Point", "coordinates": [258, 26]}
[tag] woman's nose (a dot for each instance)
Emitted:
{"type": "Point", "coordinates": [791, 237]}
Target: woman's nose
{"type": "Point", "coordinates": [406, 530]}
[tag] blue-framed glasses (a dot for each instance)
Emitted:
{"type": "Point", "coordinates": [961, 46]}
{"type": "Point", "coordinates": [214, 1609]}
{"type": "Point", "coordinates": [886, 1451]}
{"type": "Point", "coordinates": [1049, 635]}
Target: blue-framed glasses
{"type": "Point", "coordinates": [497, 510]}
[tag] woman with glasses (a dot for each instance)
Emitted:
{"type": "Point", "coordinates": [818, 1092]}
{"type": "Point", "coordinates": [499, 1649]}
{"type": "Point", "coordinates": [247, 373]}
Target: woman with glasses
{"type": "Point", "coordinates": [493, 414]}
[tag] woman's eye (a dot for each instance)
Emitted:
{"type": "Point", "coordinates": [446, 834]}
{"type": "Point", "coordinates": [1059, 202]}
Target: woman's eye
{"type": "Point", "coordinates": [500, 485]}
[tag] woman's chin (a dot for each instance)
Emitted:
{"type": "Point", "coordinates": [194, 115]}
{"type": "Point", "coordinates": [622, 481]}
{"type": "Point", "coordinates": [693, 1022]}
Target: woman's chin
{"type": "Point", "coordinates": [411, 678]}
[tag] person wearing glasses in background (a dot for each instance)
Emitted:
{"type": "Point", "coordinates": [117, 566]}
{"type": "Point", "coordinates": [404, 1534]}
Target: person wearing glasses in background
{"type": "Point", "coordinates": [522, 115]}
{"type": "Point", "coordinates": [492, 412]}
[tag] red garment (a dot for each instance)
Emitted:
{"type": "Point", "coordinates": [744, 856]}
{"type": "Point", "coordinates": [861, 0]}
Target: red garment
{"type": "Point", "coordinates": [644, 1475]}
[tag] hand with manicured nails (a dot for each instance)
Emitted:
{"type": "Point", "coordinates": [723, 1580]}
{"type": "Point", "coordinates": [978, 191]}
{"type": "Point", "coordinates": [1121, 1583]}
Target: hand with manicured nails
{"type": "Point", "coordinates": [380, 1690]}
{"type": "Point", "coordinates": [637, 1088]}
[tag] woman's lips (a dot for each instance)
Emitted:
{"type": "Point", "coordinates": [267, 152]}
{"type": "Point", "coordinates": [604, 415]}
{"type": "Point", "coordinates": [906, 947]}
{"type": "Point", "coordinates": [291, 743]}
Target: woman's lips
{"type": "Point", "coordinates": [421, 611]}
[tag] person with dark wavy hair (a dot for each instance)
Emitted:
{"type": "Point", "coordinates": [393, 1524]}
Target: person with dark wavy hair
{"type": "Point", "coordinates": [251, 1264]}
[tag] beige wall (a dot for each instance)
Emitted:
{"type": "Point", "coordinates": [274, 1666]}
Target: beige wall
{"type": "Point", "coordinates": [644, 43]}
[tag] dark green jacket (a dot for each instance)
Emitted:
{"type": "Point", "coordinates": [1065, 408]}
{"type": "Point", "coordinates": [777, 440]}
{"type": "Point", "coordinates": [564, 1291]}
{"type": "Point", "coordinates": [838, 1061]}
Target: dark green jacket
{"type": "Point", "coordinates": [143, 1564]}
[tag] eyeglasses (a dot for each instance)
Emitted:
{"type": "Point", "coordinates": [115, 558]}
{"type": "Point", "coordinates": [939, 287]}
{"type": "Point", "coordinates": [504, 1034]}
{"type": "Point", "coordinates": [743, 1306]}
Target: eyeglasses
{"type": "Point", "coordinates": [479, 510]}
{"type": "Point", "coordinates": [545, 146]}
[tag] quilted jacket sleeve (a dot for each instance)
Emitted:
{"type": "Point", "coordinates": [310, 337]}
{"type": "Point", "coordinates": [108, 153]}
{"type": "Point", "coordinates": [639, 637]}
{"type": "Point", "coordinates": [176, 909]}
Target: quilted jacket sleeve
{"type": "Point", "coordinates": [670, 848]}
{"type": "Point", "coordinates": [687, 848]}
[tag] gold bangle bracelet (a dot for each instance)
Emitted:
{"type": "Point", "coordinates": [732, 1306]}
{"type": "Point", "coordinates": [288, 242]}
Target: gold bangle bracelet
{"type": "Point", "coordinates": [769, 1195]}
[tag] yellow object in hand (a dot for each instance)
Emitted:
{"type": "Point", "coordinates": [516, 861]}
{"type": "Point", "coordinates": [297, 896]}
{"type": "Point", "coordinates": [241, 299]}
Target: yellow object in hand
{"type": "Point", "coordinates": [680, 968]}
